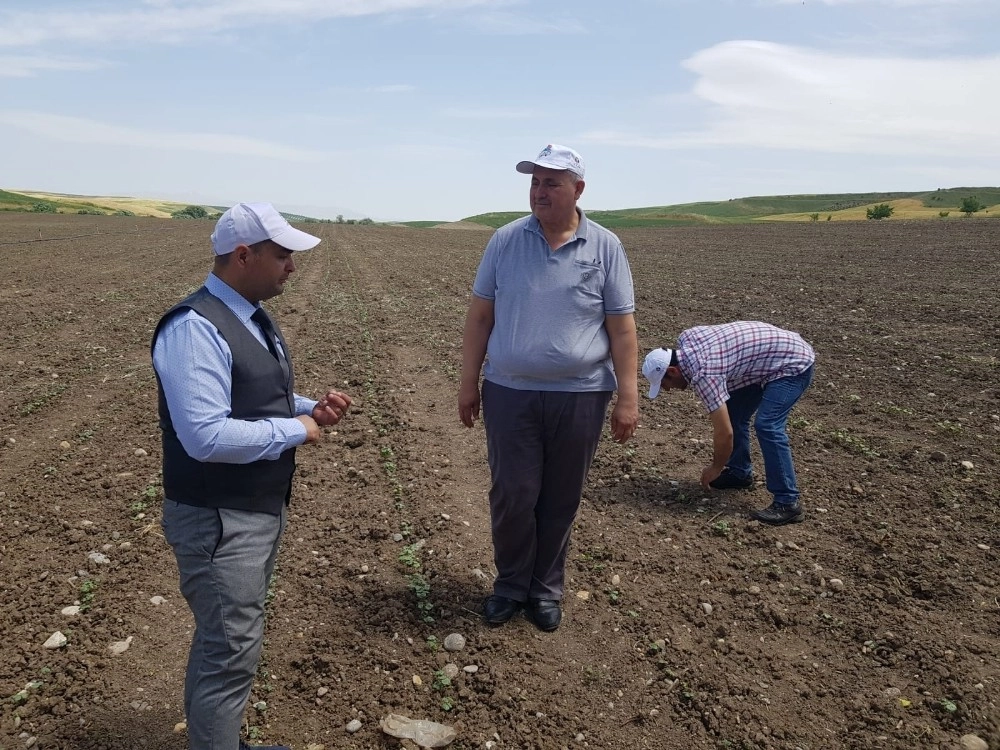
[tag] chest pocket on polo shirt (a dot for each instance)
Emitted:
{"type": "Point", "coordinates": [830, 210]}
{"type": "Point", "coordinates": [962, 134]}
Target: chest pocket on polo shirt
{"type": "Point", "coordinates": [589, 276]}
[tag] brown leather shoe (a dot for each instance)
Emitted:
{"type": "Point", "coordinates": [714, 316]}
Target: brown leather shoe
{"type": "Point", "coordinates": [499, 609]}
{"type": "Point", "coordinates": [545, 613]}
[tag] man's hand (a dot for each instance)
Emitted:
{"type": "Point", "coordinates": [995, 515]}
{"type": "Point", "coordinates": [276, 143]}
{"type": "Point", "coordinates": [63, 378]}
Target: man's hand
{"type": "Point", "coordinates": [624, 419]}
{"type": "Point", "coordinates": [709, 474]}
{"type": "Point", "coordinates": [331, 408]}
{"type": "Point", "coordinates": [469, 401]}
{"type": "Point", "coordinates": [624, 357]}
{"type": "Point", "coordinates": [722, 445]}
{"type": "Point", "coordinates": [313, 432]}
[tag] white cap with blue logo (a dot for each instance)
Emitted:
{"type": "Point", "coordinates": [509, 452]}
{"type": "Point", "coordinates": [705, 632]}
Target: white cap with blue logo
{"type": "Point", "coordinates": [554, 156]}
{"type": "Point", "coordinates": [655, 367]}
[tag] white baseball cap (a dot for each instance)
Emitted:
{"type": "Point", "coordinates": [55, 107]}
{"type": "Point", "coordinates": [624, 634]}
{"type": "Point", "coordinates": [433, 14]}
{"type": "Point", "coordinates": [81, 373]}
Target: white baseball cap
{"type": "Point", "coordinates": [248, 223]}
{"type": "Point", "coordinates": [655, 367]}
{"type": "Point", "coordinates": [554, 156]}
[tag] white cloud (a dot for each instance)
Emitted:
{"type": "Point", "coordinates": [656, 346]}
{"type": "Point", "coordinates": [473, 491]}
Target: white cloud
{"type": "Point", "coordinates": [84, 131]}
{"type": "Point", "coordinates": [899, 3]}
{"type": "Point", "coordinates": [472, 113]}
{"type": "Point", "coordinates": [516, 24]}
{"type": "Point", "coordinates": [175, 20]}
{"type": "Point", "coordinates": [26, 66]}
{"type": "Point", "coordinates": [765, 95]}
{"type": "Point", "coordinates": [393, 88]}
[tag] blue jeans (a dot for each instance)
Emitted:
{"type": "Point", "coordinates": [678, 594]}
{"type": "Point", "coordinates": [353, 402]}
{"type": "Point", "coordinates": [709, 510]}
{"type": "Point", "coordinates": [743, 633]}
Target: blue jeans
{"type": "Point", "coordinates": [772, 404]}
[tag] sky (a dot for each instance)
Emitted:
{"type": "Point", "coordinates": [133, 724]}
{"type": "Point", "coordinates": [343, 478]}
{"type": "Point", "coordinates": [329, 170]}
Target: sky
{"type": "Point", "coordinates": [401, 110]}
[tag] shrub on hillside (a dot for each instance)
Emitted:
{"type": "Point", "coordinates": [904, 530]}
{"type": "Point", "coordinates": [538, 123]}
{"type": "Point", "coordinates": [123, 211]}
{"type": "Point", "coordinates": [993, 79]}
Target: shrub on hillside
{"type": "Point", "coordinates": [190, 212]}
{"type": "Point", "coordinates": [44, 207]}
{"type": "Point", "coordinates": [881, 211]}
{"type": "Point", "coordinates": [123, 212]}
{"type": "Point", "coordinates": [90, 212]}
{"type": "Point", "coordinates": [971, 205]}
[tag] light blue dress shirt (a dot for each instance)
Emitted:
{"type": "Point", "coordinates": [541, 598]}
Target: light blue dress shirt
{"type": "Point", "coordinates": [194, 364]}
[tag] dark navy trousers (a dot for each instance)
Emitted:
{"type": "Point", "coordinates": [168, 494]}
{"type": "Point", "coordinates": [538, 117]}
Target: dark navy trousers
{"type": "Point", "coordinates": [540, 445]}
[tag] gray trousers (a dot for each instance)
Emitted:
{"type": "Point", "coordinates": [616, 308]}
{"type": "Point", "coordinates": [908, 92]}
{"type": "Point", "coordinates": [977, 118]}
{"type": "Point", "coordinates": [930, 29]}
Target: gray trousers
{"type": "Point", "coordinates": [540, 445]}
{"type": "Point", "coordinates": [225, 559]}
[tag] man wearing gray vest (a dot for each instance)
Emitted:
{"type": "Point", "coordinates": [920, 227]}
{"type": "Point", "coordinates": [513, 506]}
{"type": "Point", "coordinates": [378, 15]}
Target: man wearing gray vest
{"type": "Point", "coordinates": [552, 317]}
{"type": "Point", "coordinates": [230, 420]}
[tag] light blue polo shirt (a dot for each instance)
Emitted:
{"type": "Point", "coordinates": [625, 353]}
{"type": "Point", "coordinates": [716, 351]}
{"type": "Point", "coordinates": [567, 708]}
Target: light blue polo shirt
{"type": "Point", "coordinates": [549, 307]}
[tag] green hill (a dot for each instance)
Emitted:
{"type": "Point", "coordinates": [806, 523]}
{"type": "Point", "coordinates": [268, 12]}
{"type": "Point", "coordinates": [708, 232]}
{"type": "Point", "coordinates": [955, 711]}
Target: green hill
{"type": "Point", "coordinates": [31, 201]}
{"type": "Point", "coordinates": [839, 206]}
{"type": "Point", "coordinates": [64, 203]}
{"type": "Point", "coordinates": [938, 204]}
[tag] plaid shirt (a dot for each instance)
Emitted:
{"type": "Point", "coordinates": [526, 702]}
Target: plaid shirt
{"type": "Point", "coordinates": [718, 359]}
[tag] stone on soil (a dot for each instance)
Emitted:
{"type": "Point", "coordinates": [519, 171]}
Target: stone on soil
{"type": "Point", "coordinates": [120, 647]}
{"type": "Point", "coordinates": [973, 742]}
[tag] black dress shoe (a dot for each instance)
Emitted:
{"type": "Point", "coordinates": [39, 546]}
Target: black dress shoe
{"type": "Point", "coordinates": [545, 613]}
{"type": "Point", "coordinates": [499, 609]}
{"type": "Point", "coordinates": [729, 481]}
{"type": "Point", "coordinates": [778, 514]}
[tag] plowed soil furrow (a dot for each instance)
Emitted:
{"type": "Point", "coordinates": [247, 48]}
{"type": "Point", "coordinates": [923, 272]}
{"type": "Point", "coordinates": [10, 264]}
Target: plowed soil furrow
{"type": "Point", "coordinates": [873, 624]}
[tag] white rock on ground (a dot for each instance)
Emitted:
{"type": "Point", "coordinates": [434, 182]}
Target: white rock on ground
{"type": "Point", "coordinates": [120, 647]}
{"type": "Point", "coordinates": [454, 642]}
{"type": "Point", "coordinates": [972, 742]}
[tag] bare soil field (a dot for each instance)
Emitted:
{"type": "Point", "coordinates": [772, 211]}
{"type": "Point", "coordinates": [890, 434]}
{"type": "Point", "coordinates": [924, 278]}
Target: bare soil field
{"type": "Point", "coordinates": [874, 624]}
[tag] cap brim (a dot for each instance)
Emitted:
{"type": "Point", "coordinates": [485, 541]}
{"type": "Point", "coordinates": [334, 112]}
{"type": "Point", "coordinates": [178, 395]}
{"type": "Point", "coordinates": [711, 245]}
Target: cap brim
{"type": "Point", "coordinates": [295, 240]}
{"type": "Point", "coordinates": [654, 389]}
{"type": "Point", "coordinates": [528, 167]}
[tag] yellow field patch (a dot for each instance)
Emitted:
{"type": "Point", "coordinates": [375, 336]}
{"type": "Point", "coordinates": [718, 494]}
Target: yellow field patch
{"type": "Point", "coordinates": [903, 208]}
{"type": "Point", "coordinates": [138, 206]}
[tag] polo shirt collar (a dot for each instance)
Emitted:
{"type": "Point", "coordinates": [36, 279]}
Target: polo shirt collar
{"type": "Point", "coordinates": [535, 226]}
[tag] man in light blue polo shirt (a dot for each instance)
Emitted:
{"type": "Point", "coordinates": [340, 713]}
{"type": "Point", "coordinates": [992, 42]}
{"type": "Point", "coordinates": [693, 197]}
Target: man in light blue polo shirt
{"type": "Point", "coordinates": [552, 317]}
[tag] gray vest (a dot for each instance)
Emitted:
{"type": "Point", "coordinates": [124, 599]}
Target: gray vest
{"type": "Point", "coordinates": [259, 391]}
